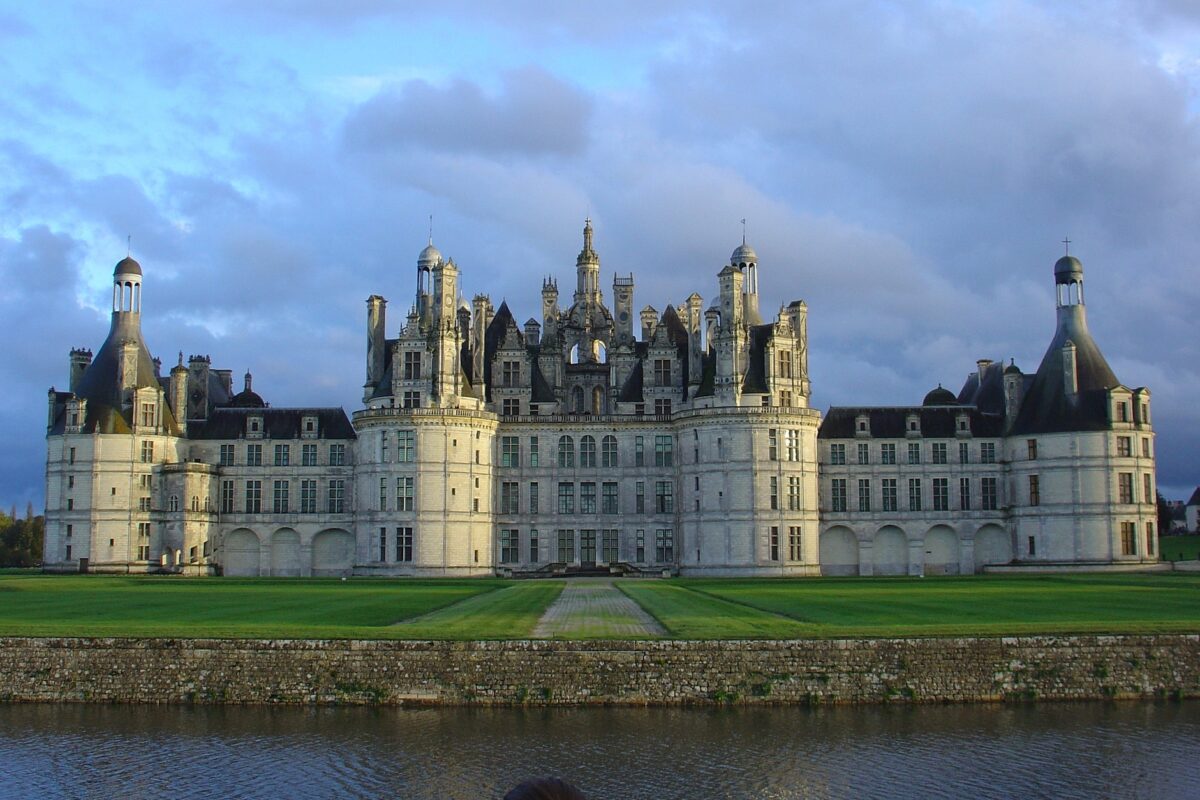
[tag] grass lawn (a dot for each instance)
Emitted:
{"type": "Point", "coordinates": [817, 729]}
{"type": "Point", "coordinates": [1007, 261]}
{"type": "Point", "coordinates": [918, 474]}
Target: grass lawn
{"type": "Point", "coordinates": [984, 605]}
{"type": "Point", "coordinates": [58, 605]}
{"type": "Point", "coordinates": [1179, 548]}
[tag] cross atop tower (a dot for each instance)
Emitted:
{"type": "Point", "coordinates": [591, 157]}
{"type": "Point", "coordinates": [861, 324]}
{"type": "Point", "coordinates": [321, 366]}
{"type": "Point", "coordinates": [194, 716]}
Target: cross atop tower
{"type": "Point", "coordinates": [1066, 246]}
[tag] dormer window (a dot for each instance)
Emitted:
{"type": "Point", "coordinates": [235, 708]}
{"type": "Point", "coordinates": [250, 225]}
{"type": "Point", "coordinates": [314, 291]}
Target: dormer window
{"type": "Point", "coordinates": [254, 427]}
{"type": "Point", "coordinates": [913, 425]}
{"type": "Point", "coordinates": [308, 427]}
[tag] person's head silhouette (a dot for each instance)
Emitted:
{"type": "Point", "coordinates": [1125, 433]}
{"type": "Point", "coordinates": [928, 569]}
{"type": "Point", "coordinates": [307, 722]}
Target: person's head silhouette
{"type": "Point", "coordinates": [544, 789]}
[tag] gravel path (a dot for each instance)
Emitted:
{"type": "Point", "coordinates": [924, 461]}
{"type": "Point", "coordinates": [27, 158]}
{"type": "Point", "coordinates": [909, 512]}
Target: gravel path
{"type": "Point", "coordinates": [595, 608]}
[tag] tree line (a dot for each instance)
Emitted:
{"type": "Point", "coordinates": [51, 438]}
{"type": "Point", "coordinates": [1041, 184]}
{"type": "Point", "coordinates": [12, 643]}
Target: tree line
{"type": "Point", "coordinates": [21, 539]}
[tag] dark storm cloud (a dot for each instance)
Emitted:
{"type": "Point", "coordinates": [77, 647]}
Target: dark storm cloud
{"type": "Point", "coordinates": [534, 113]}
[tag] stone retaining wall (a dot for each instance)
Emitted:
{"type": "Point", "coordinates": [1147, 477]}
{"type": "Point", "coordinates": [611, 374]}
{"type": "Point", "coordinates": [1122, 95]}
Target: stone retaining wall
{"type": "Point", "coordinates": [625, 672]}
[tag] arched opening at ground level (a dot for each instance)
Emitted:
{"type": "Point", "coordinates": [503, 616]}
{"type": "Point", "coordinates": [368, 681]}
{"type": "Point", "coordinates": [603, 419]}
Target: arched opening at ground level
{"type": "Point", "coordinates": [240, 554]}
{"type": "Point", "coordinates": [332, 553]}
{"type": "Point", "coordinates": [993, 545]}
{"type": "Point", "coordinates": [941, 551]}
{"type": "Point", "coordinates": [839, 551]}
{"type": "Point", "coordinates": [889, 553]}
{"type": "Point", "coordinates": [285, 554]}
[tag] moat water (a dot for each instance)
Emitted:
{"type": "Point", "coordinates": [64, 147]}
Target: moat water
{"type": "Point", "coordinates": [1117, 750]}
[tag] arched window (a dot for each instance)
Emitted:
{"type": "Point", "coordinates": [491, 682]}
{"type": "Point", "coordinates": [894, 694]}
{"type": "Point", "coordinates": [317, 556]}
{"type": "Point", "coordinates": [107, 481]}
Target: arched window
{"type": "Point", "coordinates": [587, 452]}
{"type": "Point", "coordinates": [600, 351]}
{"type": "Point", "coordinates": [573, 358]}
{"type": "Point", "coordinates": [195, 503]}
{"type": "Point", "coordinates": [566, 451]}
{"type": "Point", "coordinates": [608, 451]}
{"type": "Point", "coordinates": [597, 400]}
{"type": "Point", "coordinates": [577, 400]}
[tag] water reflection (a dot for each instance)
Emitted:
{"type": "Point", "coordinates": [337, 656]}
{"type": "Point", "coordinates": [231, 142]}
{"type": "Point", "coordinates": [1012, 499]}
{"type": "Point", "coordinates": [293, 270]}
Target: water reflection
{"type": "Point", "coordinates": [1064, 751]}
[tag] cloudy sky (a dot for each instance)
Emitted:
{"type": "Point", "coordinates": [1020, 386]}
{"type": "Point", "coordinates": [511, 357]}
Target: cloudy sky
{"type": "Point", "coordinates": [908, 168]}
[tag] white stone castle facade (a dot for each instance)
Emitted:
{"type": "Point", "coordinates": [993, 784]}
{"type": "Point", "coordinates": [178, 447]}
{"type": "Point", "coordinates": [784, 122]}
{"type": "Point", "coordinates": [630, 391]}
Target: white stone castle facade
{"type": "Point", "coordinates": [684, 445]}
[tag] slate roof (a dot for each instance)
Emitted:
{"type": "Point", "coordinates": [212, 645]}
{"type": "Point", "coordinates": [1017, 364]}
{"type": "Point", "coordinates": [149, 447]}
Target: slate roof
{"type": "Point", "coordinates": [1046, 408]}
{"type": "Point", "coordinates": [631, 392]}
{"type": "Point", "coordinates": [1194, 500]}
{"type": "Point", "coordinates": [756, 370]}
{"type": "Point", "coordinates": [278, 423]}
{"type": "Point", "coordinates": [936, 422]}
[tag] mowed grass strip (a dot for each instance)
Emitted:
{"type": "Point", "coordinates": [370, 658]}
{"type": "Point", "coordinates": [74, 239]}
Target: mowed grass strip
{"type": "Point", "coordinates": [508, 613]}
{"type": "Point", "coordinates": [976, 605]}
{"type": "Point", "coordinates": [688, 614]}
{"type": "Point", "coordinates": [141, 606]}
{"type": "Point", "coordinates": [1179, 548]}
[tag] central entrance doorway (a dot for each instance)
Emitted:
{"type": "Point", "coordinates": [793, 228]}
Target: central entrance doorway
{"type": "Point", "coordinates": [587, 548]}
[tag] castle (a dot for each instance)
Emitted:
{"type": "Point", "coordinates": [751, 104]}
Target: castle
{"type": "Point", "coordinates": [684, 445]}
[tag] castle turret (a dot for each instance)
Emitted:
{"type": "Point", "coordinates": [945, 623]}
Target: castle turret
{"type": "Point", "coordinates": [179, 390]}
{"type": "Point", "coordinates": [81, 358]}
{"type": "Point", "coordinates": [623, 309]}
{"type": "Point", "coordinates": [587, 269]}
{"type": "Point", "coordinates": [376, 339]}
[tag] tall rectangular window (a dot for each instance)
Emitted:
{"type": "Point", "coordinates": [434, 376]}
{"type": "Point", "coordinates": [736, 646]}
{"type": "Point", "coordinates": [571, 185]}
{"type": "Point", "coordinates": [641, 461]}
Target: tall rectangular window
{"type": "Point", "coordinates": [406, 446]}
{"type": "Point", "coordinates": [1146, 450]}
{"type": "Point", "coordinates": [640, 498]}
{"type": "Point", "coordinates": [938, 452]}
{"type": "Point", "coordinates": [987, 494]}
{"type": "Point", "coordinates": [773, 444]}
{"type": "Point", "coordinates": [608, 452]}
{"type": "Point", "coordinates": [941, 494]}
{"type": "Point", "coordinates": [774, 493]}
{"type": "Point", "coordinates": [864, 495]}
{"type": "Point", "coordinates": [1147, 489]}
{"type": "Point", "coordinates": [226, 497]}
{"type": "Point", "coordinates": [664, 497]}
{"type": "Point", "coordinates": [147, 452]}
{"type": "Point", "coordinates": [1125, 487]}
{"type": "Point", "coordinates": [253, 497]}
{"type": "Point", "coordinates": [337, 496]}
{"type": "Point", "coordinates": [662, 372]}
{"type": "Point", "coordinates": [785, 363]}
{"type": "Point", "coordinates": [383, 544]}
{"type": "Point", "coordinates": [664, 454]}
{"type": "Point", "coordinates": [404, 544]}
{"type": "Point", "coordinates": [664, 546]}
{"type": "Point", "coordinates": [405, 493]}
{"type": "Point", "coordinates": [226, 455]}
{"type": "Point", "coordinates": [609, 500]}
{"type": "Point", "coordinates": [147, 414]}
{"type": "Point", "coordinates": [794, 492]}
{"type": "Point", "coordinates": [566, 545]}
{"type": "Point", "coordinates": [533, 497]}
{"type": "Point", "coordinates": [510, 497]}
{"type": "Point", "coordinates": [793, 445]}
{"type": "Point", "coordinates": [282, 455]}
{"type": "Point", "coordinates": [566, 498]}
{"type": "Point", "coordinates": [254, 455]}
{"type": "Point", "coordinates": [640, 546]}
{"type": "Point", "coordinates": [412, 366]}
{"type": "Point", "coordinates": [914, 452]}
{"type": "Point", "coordinates": [1031, 449]}
{"type": "Point", "coordinates": [987, 452]}
{"type": "Point", "coordinates": [510, 373]}
{"type": "Point", "coordinates": [534, 547]}
{"type": "Point", "coordinates": [639, 451]}
{"type": "Point", "coordinates": [337, 455]}
{"type": "Point", "coordinates": [887, 453]}
{"type": "Point", "coordinates": [510, 451]}
{"type": "Point", "coordinates": [1124, 446]}
{"type": "Point", "coordinates": [964, 453]}
{"type": "Point", "coordinates": [864, 453]}
{"type": "Point", "coordinates": [838, 494]}
{"type": "Point", "coordinates": [308, 455]}
{"type": "Point", "coordinates": [566, 452]}
{"type": "Point", "coordinates": [837, 454]}
{"type": "Point", "coordinates": [308, 497]}
{"type": "Point", "coordinates": [773, 542]}
{"type": "Point", "coordinates": [533, 451]}
{"type": "Point", "coordinates": [1149, 538]}
{"type": "Point", "coordinates": [795, 550]}
{"type": "Point", "coordinates": [608, 546]}
{"type": "Point", "coordinates": [914, 494]}
{"type": "Point", "coordinates": [509, 545]}
{"type": "Point", "coordinates": [383, 494]}
{"type": "Point", "coordinates": [889, 494]}
{"type": "Point", "coordinates": [587, 497]}
{"type": "Point", "coordinates": [964, 494]}
{"type": "Point", "coordinates": [280, 491]}
{"type": "Point", "coordinates": [1035, 491]}
{"type": "Point", "coordinates": [1128, 535]}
